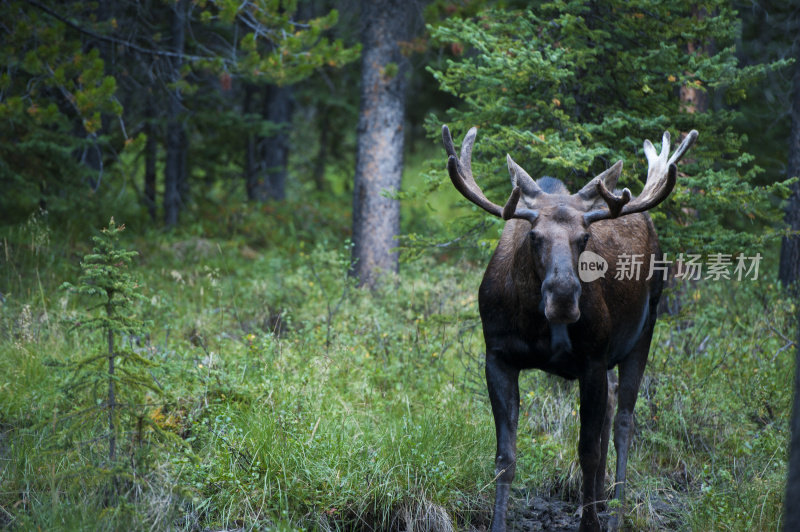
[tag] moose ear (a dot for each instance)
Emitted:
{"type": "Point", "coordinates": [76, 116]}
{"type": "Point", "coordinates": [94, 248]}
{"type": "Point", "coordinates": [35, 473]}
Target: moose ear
{"type": "Point", "coordinates": [588, 194]}
{"type": "Point", "coordinates": [521, 179]}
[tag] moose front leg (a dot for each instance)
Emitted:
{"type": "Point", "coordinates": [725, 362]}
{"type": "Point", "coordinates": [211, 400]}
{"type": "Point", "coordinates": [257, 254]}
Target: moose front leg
{"type": "Point", "coordinates": [503, 383]}
{"type": "Point", "coordinates": [631, 371]}
{"type": "Point", "coordinates": [611, 403]}
{"type": "Point", "coordinates": [594, 397]}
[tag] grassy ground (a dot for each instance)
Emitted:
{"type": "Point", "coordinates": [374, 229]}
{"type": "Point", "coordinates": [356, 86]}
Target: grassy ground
{"type": "Point", "coordinates": [289, 399]}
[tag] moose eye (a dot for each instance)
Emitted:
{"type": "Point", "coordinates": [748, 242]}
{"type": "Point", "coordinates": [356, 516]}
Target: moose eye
{"type": "Point", "coordinates": [535, 238]}
{"type": "Point", "coordinates": [583, 240]}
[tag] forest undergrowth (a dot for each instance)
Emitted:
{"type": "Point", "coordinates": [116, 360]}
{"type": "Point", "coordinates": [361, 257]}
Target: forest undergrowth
{"type": "Point", "coordinates": [283, 397]}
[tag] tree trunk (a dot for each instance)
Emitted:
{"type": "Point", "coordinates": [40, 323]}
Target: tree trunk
{"type": "Point", "coordinates": [322, 155]}
{"type": "Point", "coordinates": [183, 171]}
{"type": "Point", "coordinates": [93, 152]}
{"type": "Point", "coordinates": [790, 275]}
{"type": "Point", "coordinates": [789, 271]}
{"type": "Point", "coordinates": [379, 155]}
{"type": "Point", "coordinates": [150, 155]}
{"type": "Point", "coordinates": [267, 157]}
{"type": "Point", "coordinates": [791, 517]}
{"type": "Point", "coordinates": [112, 397]}
{"type": "Point", "coordinates": [250, 177]}
{"type": "Point", "coordinates": [174, 167]}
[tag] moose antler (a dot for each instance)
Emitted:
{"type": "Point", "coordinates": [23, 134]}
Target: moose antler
{"type": "Point", "coordinates": [460, 170]}
{"type": "Point", "coordinates": [661, 177]}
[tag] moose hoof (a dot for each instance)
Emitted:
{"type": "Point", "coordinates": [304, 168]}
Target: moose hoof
{"type": "Point", "coordinates": [589, 524]}
{"type": "Point", "coordinates": [613, 522]}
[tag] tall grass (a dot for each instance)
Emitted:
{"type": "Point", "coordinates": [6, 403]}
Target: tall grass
{"type": "Point", "coordinates": [302, 402]}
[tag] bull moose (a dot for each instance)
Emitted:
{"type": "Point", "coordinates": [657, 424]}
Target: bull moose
{"type": "Point", "coordinates": [536, 312]}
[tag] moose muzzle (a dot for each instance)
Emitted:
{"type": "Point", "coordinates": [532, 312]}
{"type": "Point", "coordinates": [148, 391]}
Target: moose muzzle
{"type": "Point", "coordinates": [560, 294]}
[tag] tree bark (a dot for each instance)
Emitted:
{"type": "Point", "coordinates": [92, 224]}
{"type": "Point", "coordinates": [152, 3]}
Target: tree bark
{"type": "Point", "coordinates": [250, 177]}
{"type": "Point", "coordinates": [791, 517]}
{"type": "Point", "coordinates": [93, 152]}
{"type": "Point", "coordinates": [112, 397]}
{"type": "Point", "coordinates": [379, 155]}
{"type": "Point", "coordinates": [790, 275]}
{"type": "Point", "coordinates": [322, 155]}
{"type": "Point", "coordinates": [150, 155]}
{"type": "Point", "coordinates": [174, 169]}
{"type": "Point", "coordinates": [267, 157]}
{"type": "Point", "coordinates": [789, 271]}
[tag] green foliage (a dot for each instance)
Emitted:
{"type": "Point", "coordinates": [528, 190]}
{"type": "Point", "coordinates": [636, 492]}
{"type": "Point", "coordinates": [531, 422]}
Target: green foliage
{"type": "Point", "coordinates": [302, 402]}
{"type": "Point", "coordinates": [111, 380]}
{"type": "Point", "coordinates": [569, 87]}
{"type": "Point", "coordinates": [768, 33]}
{"type": "Point", "coordinates": [65, 134]}
{"type": "Point", "coordinates": [52, 94]}
{"type": "Point", "coordinates": [720, 379]}
{"type": "Point", "coordinates": [288, 50]}
{"type": "Point", "coordinates": [105, 275]}
{"type": "Point", "coordinates": [257, 45]}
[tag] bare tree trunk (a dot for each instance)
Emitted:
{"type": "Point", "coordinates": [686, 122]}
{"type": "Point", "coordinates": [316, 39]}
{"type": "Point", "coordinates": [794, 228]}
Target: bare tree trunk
{"type": "Point", "coordinates": [267, 157]}
{"type": "Point", "coordinates": [93, 152]}
{"type": "Point", "coordinates": [150, 155]}
{"type": "Point", "coordinates": [276, 160]}
{"type": "Point", "coordinates": [175, 161]}
{"type": "Point", "coordinates": [789, 271]}
{"type": "Point", "coordinates": [791, 517]}
{"type": "Point", "coordinates": [322, 155]}
{"type": "Point", "coordinates": [379, 156]}
{"type": "Point", "coordinates": [250, 177]}
{"type": "Point", "coordinates": [183, 170]}
{"type": "Point", "coordinates": [790, 275]}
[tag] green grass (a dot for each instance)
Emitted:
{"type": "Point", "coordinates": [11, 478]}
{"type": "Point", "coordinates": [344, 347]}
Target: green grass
{"type": "Point", "coordinates": [297, 401]}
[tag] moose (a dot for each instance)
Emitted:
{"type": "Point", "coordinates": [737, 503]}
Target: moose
{"type": "Point", "coordinates": [537, 313]}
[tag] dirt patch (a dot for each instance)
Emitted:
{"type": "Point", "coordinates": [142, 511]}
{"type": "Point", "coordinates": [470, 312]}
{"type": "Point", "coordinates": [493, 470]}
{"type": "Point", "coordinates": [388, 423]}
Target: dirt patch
{"type": "Point", "coordinates": [545, 513]}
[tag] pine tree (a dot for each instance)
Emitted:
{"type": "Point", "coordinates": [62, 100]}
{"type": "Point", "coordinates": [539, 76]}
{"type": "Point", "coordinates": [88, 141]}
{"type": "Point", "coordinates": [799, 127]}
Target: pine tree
{"type": "Point", "coordinates": [85, 83]}
{"type": "Point", "coordinates": [53, 94]}
{"type": "Point", "coordinates": [111, 379]}
{"type": "Point", "coordinates": [569, 87]}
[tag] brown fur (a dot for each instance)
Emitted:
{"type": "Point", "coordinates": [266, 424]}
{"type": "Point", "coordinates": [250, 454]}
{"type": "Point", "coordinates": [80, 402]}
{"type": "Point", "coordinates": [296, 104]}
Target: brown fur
{"type": "Point", "coordinates": [536, 312]}
{"type": "Point", "coordinates": [615, 326]}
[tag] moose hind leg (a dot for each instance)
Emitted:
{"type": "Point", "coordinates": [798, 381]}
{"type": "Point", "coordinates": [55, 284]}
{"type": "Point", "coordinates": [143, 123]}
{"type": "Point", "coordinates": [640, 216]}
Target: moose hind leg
{"type": "Point", "coordinates": [594, 395]}
{"type": "Point", "coordinates": [503, 383]}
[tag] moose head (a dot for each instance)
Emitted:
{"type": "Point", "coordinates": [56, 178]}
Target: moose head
{"type": "Point", "coordinates": [559, 220]}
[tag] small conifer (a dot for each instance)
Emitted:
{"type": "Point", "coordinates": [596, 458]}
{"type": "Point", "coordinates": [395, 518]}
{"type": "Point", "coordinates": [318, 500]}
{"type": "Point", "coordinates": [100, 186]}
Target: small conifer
{"type": "Point", "coordinates": [112, 379]}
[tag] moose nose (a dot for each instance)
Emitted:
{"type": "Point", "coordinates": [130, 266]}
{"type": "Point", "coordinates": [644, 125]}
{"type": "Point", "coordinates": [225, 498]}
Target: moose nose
{"type": "Point", "coordinates": [561, 294]}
